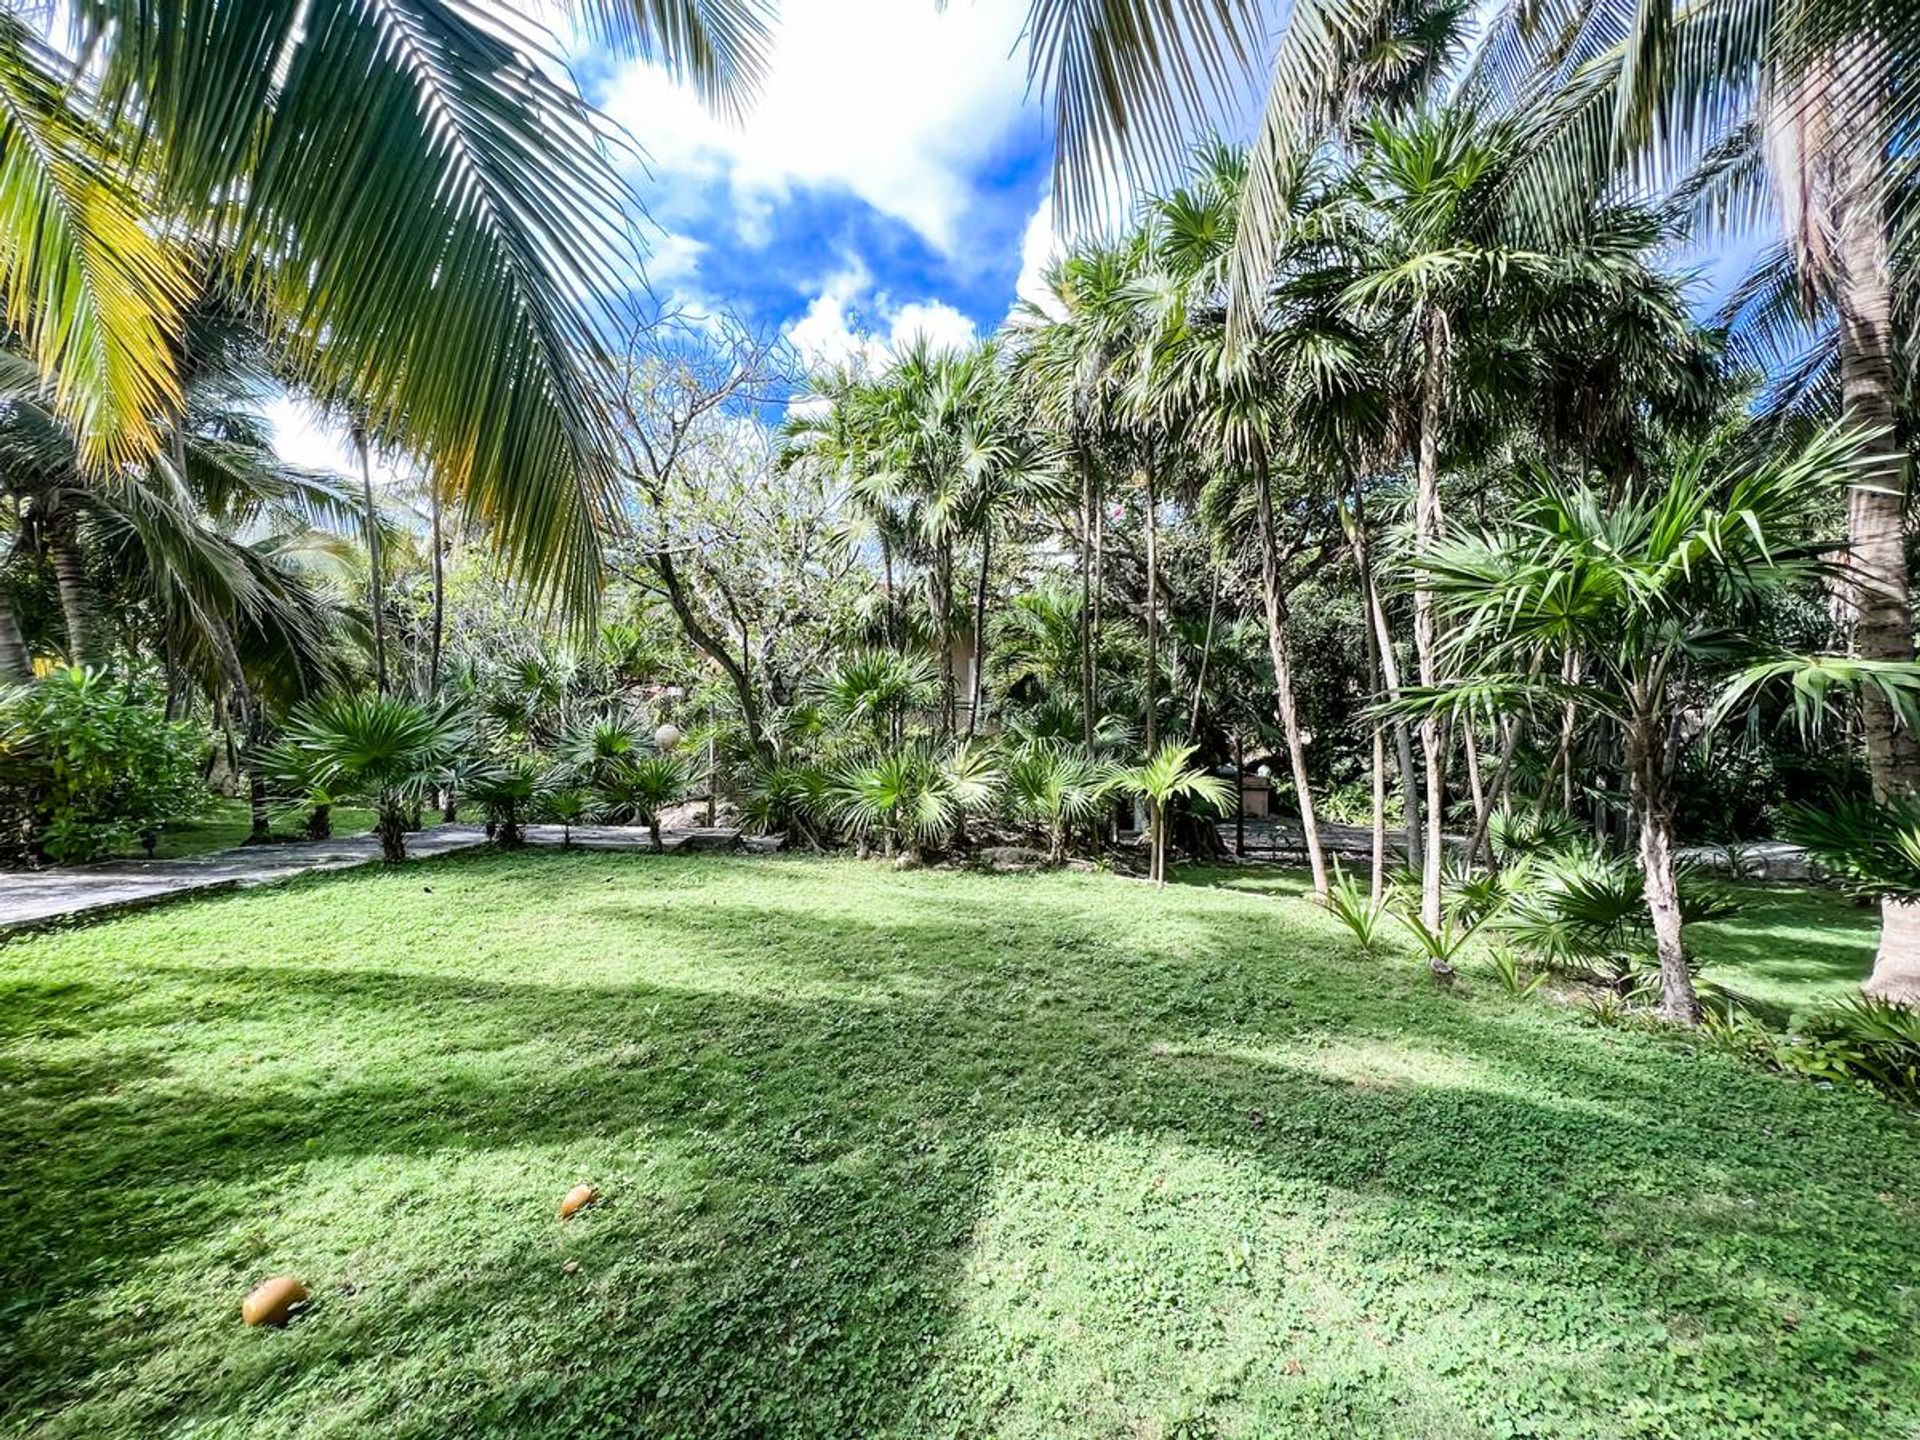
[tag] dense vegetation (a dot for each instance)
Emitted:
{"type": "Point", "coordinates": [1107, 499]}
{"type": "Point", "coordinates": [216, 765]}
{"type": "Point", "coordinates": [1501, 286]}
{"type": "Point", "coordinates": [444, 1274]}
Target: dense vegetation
{"type": "Point", "coordinates": [909, 1154]}
{"type": "Point", "coordinates": [1385, 460]}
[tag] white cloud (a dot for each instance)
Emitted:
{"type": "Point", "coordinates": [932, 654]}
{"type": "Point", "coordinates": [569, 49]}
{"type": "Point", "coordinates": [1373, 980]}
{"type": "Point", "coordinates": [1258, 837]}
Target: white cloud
{"type": "Point", "coordinates": [936, 322]}
{"type": "Point", "coordinates": [848, 321]}
{"type": "Point", "coordinates": [897, 100]}
{"type": "Point", "coordinates": [304, 437]}
{"type": "Point", "coordinates": [1040, 246]}
{"type": "Point", "coordinates": [674, 259]}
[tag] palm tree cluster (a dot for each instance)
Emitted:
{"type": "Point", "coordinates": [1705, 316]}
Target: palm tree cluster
{"type": "Point", "coordinates": [1550, 125]}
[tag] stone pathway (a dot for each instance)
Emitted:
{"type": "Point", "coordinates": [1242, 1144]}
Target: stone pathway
{"type": "Point", "coordinates": [1278, 838]}
{"type": "Point", "coordinates": [34, 898]}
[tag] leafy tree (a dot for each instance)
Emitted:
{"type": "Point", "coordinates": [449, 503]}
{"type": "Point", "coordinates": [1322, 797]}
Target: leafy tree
{"type": "Point", "coordinates": [1653, 586]}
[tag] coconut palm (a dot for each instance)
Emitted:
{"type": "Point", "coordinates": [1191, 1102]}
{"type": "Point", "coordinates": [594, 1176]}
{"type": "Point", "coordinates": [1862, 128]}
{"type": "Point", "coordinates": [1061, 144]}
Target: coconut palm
{"type": "Point", "coordinates": [1169, 775]}
{"type": "Point", "coordinates": [456, 200]}
{"type": "Point", "coordinates": [387, 752]}
{"type": "Point", "coordinates": [1654, 586]}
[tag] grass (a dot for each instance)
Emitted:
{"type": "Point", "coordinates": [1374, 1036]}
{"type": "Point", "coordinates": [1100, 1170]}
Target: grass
{"type": "Point", "coordinates": [1792, 946]}
{"type": "Point", "coordinates": [925, 1154]}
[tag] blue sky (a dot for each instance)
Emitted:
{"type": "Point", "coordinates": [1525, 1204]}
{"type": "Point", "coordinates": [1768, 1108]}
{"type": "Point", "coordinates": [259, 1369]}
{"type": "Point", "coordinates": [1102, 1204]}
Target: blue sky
{"type": "Point", "coordinates": [891, 177]}
{"type": "Point", "coordinates": [890, 180]}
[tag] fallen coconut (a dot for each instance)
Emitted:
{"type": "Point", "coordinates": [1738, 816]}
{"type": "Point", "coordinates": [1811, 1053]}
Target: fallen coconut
{"type": "Point", "coordinates": [271, 1301]}
{"type": "Point", "coordinates": [577, 1200]}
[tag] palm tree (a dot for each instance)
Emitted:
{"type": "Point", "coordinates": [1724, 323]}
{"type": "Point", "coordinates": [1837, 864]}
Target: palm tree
{"type": "Point", "coordinates": [1654, 585]}
{"type": "Point", "coordinates": [638, 789]}
{"type": "Point", "coordinates": [432, 239]}
{"type": "Point", "coordinates": [387, 752]}
{"type": "Point", "coordinates": [1797, 104]}
{"type": "Point", "coordinates": [1168, 775]}
{"type": "Point", "coordinates": [1056, 788]}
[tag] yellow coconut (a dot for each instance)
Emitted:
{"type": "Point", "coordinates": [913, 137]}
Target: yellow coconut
{"type": "Point", "coordinates": [577, 1200]}
{"type": "Point", "coordinates": [272, 1301]}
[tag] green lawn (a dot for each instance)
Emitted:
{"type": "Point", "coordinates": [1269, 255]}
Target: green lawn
{"type": "Point", "coordinates": [924, 1154]}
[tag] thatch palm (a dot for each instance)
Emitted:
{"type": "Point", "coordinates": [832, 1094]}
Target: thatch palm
{"type": "Point", "coordinates": [387, 752]}
{"type": "Point", "coordinates": [1654, 587]}
{"type": "Point", "coordinates": [1801, 100]}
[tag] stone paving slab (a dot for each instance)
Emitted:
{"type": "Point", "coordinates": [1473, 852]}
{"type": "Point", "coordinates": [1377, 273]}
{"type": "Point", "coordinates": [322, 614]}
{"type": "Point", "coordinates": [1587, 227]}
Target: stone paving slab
{"type": "Point", "coordinates": [34, 898]}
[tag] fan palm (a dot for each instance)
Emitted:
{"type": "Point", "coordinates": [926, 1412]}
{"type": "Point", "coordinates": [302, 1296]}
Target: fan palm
{"type": "Point", "coordinates": [638, 789]}
{"type": "Point", "coordinates": [1056, 788]}
{"type": "Point", "coordinates": [387, 752]}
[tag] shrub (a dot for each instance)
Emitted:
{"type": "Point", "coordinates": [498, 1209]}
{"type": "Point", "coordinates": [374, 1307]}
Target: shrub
{"type": "Point", "coordinates": [88, 764]}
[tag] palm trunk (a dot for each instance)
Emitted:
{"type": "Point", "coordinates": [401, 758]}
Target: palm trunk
{"type": "Point", "coordinates": [252, 718]}
{"type": "Point", "coordinates": [14, 664]}
{"type": "Point", "coordinates": [439, 591]}
{"type": "Point", "coordinates": [70, 579]}
{"type": "Point", "coordinates": [1389, 662]}
{"type": "Point", "coordinates": [1876, 506]}
{"type": "Point", "coordinates": [1279, 649]}
{"type": "Point", "coordinates": [376, 588]}
{"type": "Point", "coordinates": [1377, 880]}
{"type": "Point", "coordinates": [979, 630]}
{"type": "Point", "coordinates": [1476, 789]}
{"type": "Point", "coordinates": [943, 599]}
{"type": "Point", "coordinates": [391, 826]}
{"type": "Point", "coordinates": [1153, 609]}
{"type": "Point", "coordinates": [1206, 652]}
{"type": "Point", "coordinates": [1653, 809]}
{"type": "Point", "coordinates": [1088, 699]}
{"type": "Point", "coordinates": [1425, 635]}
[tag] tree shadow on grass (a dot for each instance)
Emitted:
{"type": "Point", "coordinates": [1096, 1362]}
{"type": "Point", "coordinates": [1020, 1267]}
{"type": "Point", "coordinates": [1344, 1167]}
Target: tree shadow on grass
{"type": "Point", "coordinates": [805, 1137]}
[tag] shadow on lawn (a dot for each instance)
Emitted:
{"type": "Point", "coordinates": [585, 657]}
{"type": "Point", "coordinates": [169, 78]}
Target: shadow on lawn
{"type": "Point", "coordinates": [821, 1151]}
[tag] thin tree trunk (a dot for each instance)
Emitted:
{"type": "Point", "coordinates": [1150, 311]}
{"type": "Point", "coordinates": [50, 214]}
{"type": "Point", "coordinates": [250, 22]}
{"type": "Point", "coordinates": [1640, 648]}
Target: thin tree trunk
{"type": "Point", "coordinates": [1389, 664]}
{"type": "Point", "coordinates": [1206, 651]}
{"type": "Point", "coordinates": [712, 647]}
{"type": "Point", "coordinates": [1426, 532]}
{"type": "Point", "coordinates": [943, 599]}
{"type": "Point", "coordinates": [979, 630]}
{"type": "Point", "coordinates": [376, 587]}
{"type": "Point", "coordinates": [1279, 648]}
{"type": "Point", "coordinates": [893, 595]}
{"type": "Point", "coordinates": [1088, 699]}
{"type": "Point", "coordinates": [1653, 806]}
{"type": "Point", "coordinates": [439, 590]}
{"type": "Point", "coordinates": [1476, 789]}
{"type": "Point", "coordinates": [1377, 880]}
{"type": "Point", "coordinates": [1502, 782]}
{"type": "Point", "coordinates": [14, 664]}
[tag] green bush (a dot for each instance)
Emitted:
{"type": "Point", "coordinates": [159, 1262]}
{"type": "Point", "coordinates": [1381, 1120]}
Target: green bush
{"type": "Point", "coordinates": [88, 764]}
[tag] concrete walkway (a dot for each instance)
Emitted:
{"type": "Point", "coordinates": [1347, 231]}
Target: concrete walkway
{"type": "Point", "coordinates": [34, 898]}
